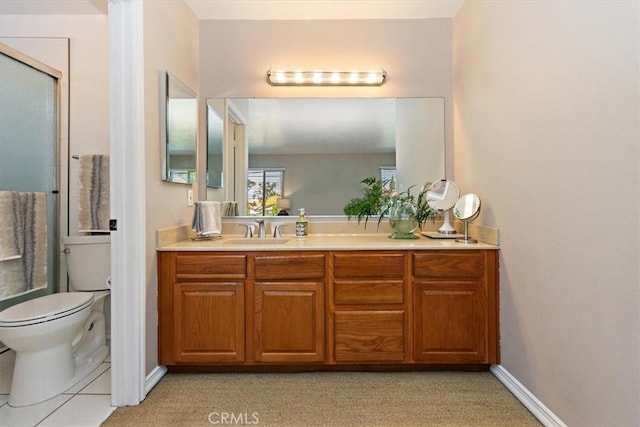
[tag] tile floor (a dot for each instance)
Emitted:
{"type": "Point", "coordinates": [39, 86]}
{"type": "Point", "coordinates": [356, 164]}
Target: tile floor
{"type": "Point", "coordinates": [87, 404]}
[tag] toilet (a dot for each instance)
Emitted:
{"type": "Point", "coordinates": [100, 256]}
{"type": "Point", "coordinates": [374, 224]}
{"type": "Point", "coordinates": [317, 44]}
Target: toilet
{"type": "Point", "coordinates": [61, 338]}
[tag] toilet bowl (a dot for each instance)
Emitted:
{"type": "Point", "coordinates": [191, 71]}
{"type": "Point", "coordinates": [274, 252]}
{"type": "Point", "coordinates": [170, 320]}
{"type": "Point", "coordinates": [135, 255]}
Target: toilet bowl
{"type": "Point", "coordinates": [60, 338]}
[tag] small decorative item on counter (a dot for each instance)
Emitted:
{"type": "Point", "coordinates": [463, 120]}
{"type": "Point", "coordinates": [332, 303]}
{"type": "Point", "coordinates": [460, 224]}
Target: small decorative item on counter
{"type": "Point", "coordinates": [405, 211]}
{"type": "Point", "coordinates": [302, 225]}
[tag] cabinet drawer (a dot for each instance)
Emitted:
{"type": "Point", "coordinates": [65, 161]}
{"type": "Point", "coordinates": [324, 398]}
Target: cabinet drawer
{"type": "Point", "coordinates": [283, 267]}
{"type": "Point", "coordinates": [454, 264]}
{"type": "Point", "coordinates": [210, 266]}
{"type": "Point", "coordinates": [374, 265]}
{"type": "Point", "coordinates": [368, 292]}
{"type": "Point", "coordinates": [369, 336]}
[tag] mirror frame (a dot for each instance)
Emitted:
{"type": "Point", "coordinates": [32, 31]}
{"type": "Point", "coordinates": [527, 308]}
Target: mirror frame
{"type": "Point", "coordinates": [167, 82]}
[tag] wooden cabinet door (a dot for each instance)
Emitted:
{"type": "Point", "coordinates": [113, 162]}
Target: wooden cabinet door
{"type": "Point", "coordinates": [289, 321]}
{"type": "Point", "coordinates": [208, 322]}
{"type": "Point", "coordinates": [455, 305]}
{"type": "Point", "coordinates": [450, 322]}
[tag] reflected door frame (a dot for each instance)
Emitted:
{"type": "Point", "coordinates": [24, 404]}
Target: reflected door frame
{"type": "Point", "coordinates": [236, 155]}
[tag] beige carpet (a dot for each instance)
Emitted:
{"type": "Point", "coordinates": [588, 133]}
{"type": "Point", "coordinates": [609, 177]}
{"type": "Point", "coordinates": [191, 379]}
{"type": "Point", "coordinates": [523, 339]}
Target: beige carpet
{"type": "Point", "coordinates": [328, 399]}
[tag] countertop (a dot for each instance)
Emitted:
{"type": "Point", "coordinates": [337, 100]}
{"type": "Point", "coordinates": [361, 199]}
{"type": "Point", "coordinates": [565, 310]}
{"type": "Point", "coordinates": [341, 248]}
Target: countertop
{"type": "Point", "coordinates": [321, 242]}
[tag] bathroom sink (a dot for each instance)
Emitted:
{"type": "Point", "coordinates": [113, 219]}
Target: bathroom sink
{"type": "Point", "coordinates": [256, 241]}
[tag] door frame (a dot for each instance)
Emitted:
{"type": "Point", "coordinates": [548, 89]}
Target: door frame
{"type": "Point", "coordinates": [128, 183]}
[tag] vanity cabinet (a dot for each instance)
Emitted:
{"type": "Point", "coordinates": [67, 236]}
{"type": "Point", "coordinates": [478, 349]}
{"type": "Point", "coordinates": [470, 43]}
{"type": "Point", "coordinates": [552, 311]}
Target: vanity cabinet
{"type": "Point", "coordinates": [241, 307]}
{"type": "Point", "coordinates": [288, 307]}
{"type": "Point", "coordinates": [455, 306]}
{"type": "Point", "coordinates": [367, 307]}
{"type": "Point", "coordinates": [201, 307]}
{"type": "Point", "coordinates": [323, 308]}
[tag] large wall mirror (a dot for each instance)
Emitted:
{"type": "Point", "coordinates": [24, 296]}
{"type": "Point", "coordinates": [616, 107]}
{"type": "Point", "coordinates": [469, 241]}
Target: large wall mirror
{"type": "Point", "coordinates": [215, 133]}
{"type": "Point", "coordinates": [179, 121]}
{"type": "Point", "coordinates": [314, 152]}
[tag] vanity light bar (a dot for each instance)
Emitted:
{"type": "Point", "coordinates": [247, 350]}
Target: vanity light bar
{"type": "Point", "coordinates": [326, 78]}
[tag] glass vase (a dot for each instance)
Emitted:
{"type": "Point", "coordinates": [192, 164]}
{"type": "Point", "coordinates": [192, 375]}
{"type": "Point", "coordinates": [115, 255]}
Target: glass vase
{"type": "Point", "coordinates": [402, 220]}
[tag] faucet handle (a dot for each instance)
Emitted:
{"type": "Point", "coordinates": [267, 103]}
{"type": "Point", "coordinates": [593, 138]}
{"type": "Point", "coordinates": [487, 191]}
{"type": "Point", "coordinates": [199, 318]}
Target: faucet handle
{"type": "Point", "coordinates": [261, 232]}
{"type": "Point", "coordinates": [276, 229]}
{"type": "Point", "coordinates": [249, 231]}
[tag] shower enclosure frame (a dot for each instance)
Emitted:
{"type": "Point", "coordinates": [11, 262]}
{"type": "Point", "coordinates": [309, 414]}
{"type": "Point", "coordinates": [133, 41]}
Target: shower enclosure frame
{"type": "Point", "coordinates": [53, 255]}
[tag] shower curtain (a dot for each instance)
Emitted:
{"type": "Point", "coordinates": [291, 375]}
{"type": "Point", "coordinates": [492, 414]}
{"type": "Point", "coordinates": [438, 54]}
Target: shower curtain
{"type": "Point", "coordinates": [29, 147]}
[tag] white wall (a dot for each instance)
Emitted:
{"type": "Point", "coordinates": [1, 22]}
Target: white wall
{"type": "Point", "coordinates": [547, 133]}
{"type": "Point", "coordinates": [170, 43]}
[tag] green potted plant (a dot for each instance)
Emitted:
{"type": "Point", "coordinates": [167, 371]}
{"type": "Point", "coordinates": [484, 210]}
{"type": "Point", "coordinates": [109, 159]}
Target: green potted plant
{"type": "Point", "coordinates": [405, 211]}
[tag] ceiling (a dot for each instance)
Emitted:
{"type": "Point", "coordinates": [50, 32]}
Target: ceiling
{"type": "Point", "coordinates": [259, 9]}
{"type": "Point", "coordinates": [53, 7]}
{"type": "Point", "coordinates": [323, 9]}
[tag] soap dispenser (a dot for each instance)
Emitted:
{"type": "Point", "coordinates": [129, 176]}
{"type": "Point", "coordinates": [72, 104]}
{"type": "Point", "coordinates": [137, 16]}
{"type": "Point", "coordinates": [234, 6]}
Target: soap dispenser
{"type": "Point", "coordinates": [302, 226]}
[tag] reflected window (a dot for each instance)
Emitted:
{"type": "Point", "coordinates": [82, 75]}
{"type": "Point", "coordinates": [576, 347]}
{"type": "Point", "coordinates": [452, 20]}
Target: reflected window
{"type": "Point", "coordinates": [389, 176]}
{"type": "Point", "coordinates": [264, 187]}
{"type": "Point", "coordinates": [182, 176]}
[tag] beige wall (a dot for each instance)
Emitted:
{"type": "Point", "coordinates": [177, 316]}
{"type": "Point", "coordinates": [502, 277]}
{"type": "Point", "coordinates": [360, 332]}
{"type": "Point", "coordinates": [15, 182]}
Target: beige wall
{"type": "Point", "coordinates": [170, 43]}
{"type": "Point", "coordinates": [547, 133]}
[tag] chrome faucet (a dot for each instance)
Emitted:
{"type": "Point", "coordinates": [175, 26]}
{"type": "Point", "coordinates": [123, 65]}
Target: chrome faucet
{"type": "Point", "coordinates": [276, 229]}
{"type": "Point", "coordinates": [261, 230]}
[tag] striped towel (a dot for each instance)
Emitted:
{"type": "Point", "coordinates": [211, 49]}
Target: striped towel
{"type": "Point", "coordinates": [23, 238]}
{"type": "Point", "coordinates": [93, 197]}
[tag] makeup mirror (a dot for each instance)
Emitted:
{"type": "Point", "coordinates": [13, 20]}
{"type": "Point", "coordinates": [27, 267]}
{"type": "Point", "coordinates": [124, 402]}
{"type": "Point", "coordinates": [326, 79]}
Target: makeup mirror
{"type": "Point", "coordinates": [466, 209]}
{"type": "Point", "coordinates": [442, 196]}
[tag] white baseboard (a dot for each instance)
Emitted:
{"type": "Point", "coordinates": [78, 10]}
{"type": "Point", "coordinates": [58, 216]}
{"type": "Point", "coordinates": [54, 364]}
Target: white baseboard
{"type": "Point", "coordinates": [537, 408]}
{"type": "Point", "coordinates": [154, 378]}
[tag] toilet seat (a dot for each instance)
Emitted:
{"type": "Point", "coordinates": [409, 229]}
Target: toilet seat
{"type": "Point", "coordinates": [45, 309]}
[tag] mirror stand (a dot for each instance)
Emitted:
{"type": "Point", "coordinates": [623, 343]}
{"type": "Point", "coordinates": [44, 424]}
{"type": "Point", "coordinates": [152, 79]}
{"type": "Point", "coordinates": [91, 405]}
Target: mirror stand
{"type": "Point", "coordinates": [466, 238]}
{"type": "Point", "coordinates": [442, 196]}
{"type": "Point", "coordinates": [446, 227]}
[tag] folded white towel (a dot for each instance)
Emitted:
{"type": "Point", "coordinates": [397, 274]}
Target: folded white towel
{"type": "Point", "coordinates": [207, 218]}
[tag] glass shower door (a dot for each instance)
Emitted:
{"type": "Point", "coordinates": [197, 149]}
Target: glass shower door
{"type": "Point", "coordinates": [29, 145]}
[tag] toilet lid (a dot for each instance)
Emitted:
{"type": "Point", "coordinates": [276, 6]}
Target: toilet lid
{"type": "Point", "coordinates": [46, 308]}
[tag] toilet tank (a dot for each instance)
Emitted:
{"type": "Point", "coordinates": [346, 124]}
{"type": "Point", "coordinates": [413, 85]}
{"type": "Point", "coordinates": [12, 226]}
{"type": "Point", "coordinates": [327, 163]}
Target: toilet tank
{"type": "Point", "coordinates": [88, 261]}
